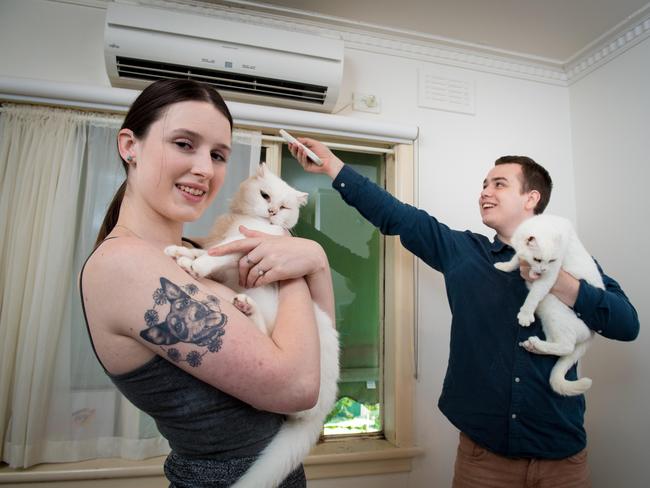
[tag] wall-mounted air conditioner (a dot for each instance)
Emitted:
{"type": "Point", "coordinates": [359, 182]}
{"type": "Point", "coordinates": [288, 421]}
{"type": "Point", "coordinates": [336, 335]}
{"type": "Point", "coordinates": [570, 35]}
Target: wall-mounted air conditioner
{"type": "Point", "coordinates": [243, 61]}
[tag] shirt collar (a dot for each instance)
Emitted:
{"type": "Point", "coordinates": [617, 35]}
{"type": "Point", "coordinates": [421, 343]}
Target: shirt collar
{"type": "Point", "coordinates": [497, 245]}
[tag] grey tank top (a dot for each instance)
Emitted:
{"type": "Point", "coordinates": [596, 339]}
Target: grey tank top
{"type": "Point", "coordinates": [198, 420]}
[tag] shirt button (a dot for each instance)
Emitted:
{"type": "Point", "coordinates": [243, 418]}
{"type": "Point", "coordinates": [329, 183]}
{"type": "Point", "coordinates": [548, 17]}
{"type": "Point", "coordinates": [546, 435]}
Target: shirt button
{"type": "Point", "coordinates": [514, 415]}
{"type": "Point", "coordinates": [517, 380]}
{"type": "Point", "coordinates": [599, 331]}
{"type": "Point", "coordinates": [342, 185]}
{"type": "Point", "coordinates": [578, 314]}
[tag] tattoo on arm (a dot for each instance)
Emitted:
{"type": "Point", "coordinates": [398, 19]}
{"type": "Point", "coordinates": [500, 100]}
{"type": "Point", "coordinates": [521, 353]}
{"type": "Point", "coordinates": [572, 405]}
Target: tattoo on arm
{"type": "Point", "coordinates": [198, 322]}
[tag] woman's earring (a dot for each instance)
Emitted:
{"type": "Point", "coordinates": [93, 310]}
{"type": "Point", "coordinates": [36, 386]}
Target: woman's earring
{"type": "Point", "coordinates": [129, 158]}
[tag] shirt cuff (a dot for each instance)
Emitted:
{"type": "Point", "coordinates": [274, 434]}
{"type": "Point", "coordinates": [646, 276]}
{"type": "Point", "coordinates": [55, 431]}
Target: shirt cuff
{"type": "Point", "coordinates": [347, 181]}
{"type": "Point", "coordinates": [589, 299]}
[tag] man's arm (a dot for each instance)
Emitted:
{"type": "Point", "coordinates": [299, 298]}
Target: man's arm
{"type": "Point", "coordinates": [608, 312]}
{"type": "Point", "coordinates": [380, 208]}
{"type": "Point", "coordinates": [419, 232]}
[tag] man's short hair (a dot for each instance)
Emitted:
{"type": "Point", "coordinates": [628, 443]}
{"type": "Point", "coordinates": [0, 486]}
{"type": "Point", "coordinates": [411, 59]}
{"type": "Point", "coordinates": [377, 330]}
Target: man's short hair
{"type": "Point", "coordinates": [534, 177]}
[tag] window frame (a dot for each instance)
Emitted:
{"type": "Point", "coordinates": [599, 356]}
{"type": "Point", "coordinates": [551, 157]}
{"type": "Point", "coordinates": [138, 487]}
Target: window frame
{"type": "Point", "coordinates": [367, 454]}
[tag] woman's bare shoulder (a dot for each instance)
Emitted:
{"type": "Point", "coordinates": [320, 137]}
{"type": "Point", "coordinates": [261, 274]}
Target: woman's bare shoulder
{"type": "Point", "coordinates": [122, 267]}
{"type": "Point", "coordinates": [121, 252]}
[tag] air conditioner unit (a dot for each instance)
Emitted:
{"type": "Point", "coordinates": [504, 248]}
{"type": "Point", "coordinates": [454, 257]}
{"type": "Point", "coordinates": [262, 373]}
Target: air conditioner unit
{"type": "Point", "coordinates": [243, 61]}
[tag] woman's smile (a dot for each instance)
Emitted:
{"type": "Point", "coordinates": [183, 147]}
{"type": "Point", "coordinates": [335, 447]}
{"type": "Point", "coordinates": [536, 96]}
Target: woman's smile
{"type": "Point", "coordinates": [191, 193]}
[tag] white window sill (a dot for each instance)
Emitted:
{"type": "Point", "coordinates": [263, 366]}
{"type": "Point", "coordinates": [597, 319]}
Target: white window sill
{"type": "Point", "coordinates": [358, 457]}
{"type": "Point", "coordinates": [329, 459]}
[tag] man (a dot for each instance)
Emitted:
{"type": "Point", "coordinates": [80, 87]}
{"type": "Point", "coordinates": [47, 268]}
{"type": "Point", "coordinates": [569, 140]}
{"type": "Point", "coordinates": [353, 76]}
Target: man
{"type": "Point", "coordinates": [514, 430]}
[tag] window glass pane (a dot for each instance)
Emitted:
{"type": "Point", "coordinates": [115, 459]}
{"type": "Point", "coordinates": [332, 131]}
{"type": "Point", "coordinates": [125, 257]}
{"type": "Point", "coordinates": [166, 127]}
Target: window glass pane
{"type": "Point", "coordinates": [355, 252]}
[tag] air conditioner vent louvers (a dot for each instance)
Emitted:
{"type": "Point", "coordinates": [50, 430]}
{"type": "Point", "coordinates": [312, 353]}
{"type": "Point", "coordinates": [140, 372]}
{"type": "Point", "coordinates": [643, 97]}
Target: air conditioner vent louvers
{"type": "Point", "coordinates": [224, 80]}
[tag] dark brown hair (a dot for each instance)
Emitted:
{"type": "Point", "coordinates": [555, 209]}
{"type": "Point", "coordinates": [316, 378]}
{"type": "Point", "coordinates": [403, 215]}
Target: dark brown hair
{"type": "Point", "coordinates": [534, 177]}
{"type": "Point", "coordinates": [147, 109]}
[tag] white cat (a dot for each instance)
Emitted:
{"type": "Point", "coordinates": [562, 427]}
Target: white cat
{"type": "Point", "coordinates": [548, 243]}
{"type": "Point", "coordinates": [266, 203]}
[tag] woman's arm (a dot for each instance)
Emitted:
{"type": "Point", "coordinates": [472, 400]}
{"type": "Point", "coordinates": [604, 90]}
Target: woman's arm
{"type": "Point", "coordinates": [281, 258]}
{"type": "Point", "coordinates": [132, 289]}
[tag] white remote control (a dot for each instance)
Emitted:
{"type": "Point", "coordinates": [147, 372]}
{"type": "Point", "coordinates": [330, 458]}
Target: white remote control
{"type": "Point", "coordinates": [310, 154]}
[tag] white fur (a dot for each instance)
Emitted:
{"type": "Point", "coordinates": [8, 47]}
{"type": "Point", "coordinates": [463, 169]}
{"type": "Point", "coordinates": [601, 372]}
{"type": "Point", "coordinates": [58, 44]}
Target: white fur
{"type": "Point", "coordinates": [549, 243]}
{"type": "Point", "coordinates": [301, 430]}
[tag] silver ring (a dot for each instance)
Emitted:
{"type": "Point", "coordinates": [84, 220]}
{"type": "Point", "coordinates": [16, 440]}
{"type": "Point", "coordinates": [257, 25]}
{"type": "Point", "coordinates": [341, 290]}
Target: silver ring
{"type": "Point", "coordinates": [260, 272]}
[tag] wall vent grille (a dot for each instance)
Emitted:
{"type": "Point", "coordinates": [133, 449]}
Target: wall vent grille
{"type": "Point", "coordinates": [445, 93]}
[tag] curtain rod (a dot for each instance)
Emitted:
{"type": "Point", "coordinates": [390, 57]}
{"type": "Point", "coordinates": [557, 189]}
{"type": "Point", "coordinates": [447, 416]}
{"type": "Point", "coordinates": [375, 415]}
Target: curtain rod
{"type": "Point", "coordinates": [340, 145]}
{"type": "Point", "coordinates": [117, 100]}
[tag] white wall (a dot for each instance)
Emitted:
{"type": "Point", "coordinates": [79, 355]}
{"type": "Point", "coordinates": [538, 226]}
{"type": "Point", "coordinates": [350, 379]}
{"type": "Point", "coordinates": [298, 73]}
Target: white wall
{"type": "Point", "coordinates": [611, 149]}
{"type": "Point", "coordinates": [52, 41]}
{"type": "Point", "coordinates": [64, 42]}
{"type": "Point", "coordinates": [455, 153]}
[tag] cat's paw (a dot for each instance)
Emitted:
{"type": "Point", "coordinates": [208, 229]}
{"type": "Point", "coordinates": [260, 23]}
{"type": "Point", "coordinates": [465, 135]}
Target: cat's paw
{"type": "Point", "coordinates": [531, 344]}
{"type": "Point", "coordinates": [525, 318]}
{"type": "Point", "coordinates": [244, 304]}
{"type": "Point", "coordinates": [211, 266]}
{"type": "Point", "coordinates": [183, 257]}
{"type": "Point", "coordinates": [249, 307]}
{"type": "Point", "coordinates": [199, 268]}
{"type": "Point", "coordinates": [175, 251]}
{"type": "Point", "coordinates": [504, 266]}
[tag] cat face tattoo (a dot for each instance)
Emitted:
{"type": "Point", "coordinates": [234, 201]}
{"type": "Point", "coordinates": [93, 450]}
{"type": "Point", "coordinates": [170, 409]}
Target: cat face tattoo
{"type": "Point", "coordinates": [189, 320]}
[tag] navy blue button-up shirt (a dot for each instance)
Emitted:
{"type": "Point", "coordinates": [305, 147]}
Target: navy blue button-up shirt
{"type": "Point", "coordinates": [494, 390]}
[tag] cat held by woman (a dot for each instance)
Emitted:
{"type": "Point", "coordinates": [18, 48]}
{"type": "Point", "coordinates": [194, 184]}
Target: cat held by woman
{"type": "Point", "coordinates": [264, 202]}
{"type": "Point", "coordinates": [549, 243]}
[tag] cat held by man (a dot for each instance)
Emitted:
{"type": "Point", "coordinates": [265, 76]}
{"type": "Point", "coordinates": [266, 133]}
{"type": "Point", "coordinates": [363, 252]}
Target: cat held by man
{"type": "Point", "coordinates": [264, 202]}
{"type": "Point", "coordinates": [549, 243]}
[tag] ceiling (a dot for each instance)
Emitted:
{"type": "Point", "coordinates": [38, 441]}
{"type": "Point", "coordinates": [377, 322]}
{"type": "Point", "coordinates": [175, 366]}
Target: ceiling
{"type": "Point", "coordinates": [555, 30]}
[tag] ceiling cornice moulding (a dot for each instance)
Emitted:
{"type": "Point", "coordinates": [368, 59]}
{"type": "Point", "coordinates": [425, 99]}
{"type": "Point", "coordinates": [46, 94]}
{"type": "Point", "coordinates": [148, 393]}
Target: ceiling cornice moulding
{"type": "Point", "coordinates": [418, 46]}
{"type": "Point", "coordinates": [636, 31]}
{"type": "Point", "coordinates": [471, 57]}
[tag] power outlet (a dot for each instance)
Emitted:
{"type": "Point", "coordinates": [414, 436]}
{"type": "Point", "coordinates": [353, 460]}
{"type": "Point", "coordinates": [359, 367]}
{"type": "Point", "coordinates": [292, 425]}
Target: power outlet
{"type": "Point", "coordinates": [365, 102]}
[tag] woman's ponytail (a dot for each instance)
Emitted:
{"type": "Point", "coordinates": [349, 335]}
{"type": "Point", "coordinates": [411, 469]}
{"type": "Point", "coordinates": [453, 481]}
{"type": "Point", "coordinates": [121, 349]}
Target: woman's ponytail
{"type": "Point", "coordinates": [112, 214]}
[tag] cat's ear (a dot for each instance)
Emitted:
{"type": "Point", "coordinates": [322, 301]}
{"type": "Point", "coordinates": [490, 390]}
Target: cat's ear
{"type": "Point", "coordinates": [262, 169]}
{"type": "Point", "coordinates": [302, 198]}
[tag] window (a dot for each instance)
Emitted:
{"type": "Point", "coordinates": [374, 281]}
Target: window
{"type": "Point", "coordinates": [380, 376]}
{"type": "Point", "coordinates": [355, 252]}
{"type": "Point", "coordinates": [374, 290]}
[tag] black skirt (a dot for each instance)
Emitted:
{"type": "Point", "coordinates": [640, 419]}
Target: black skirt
{"type": "Point", "coordinates": [211, 473]}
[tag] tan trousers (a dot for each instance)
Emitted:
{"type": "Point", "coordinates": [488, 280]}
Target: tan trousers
{"type": "Point", "coordinates": [477, 467]}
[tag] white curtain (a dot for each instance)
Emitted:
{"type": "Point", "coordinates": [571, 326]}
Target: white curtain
{"type": "Point", "coordinates": [59, 170]}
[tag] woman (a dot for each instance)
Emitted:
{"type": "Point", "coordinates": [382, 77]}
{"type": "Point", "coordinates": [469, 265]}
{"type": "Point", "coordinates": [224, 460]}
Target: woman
{"type": "Point", "coordinates": [174, 346]}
